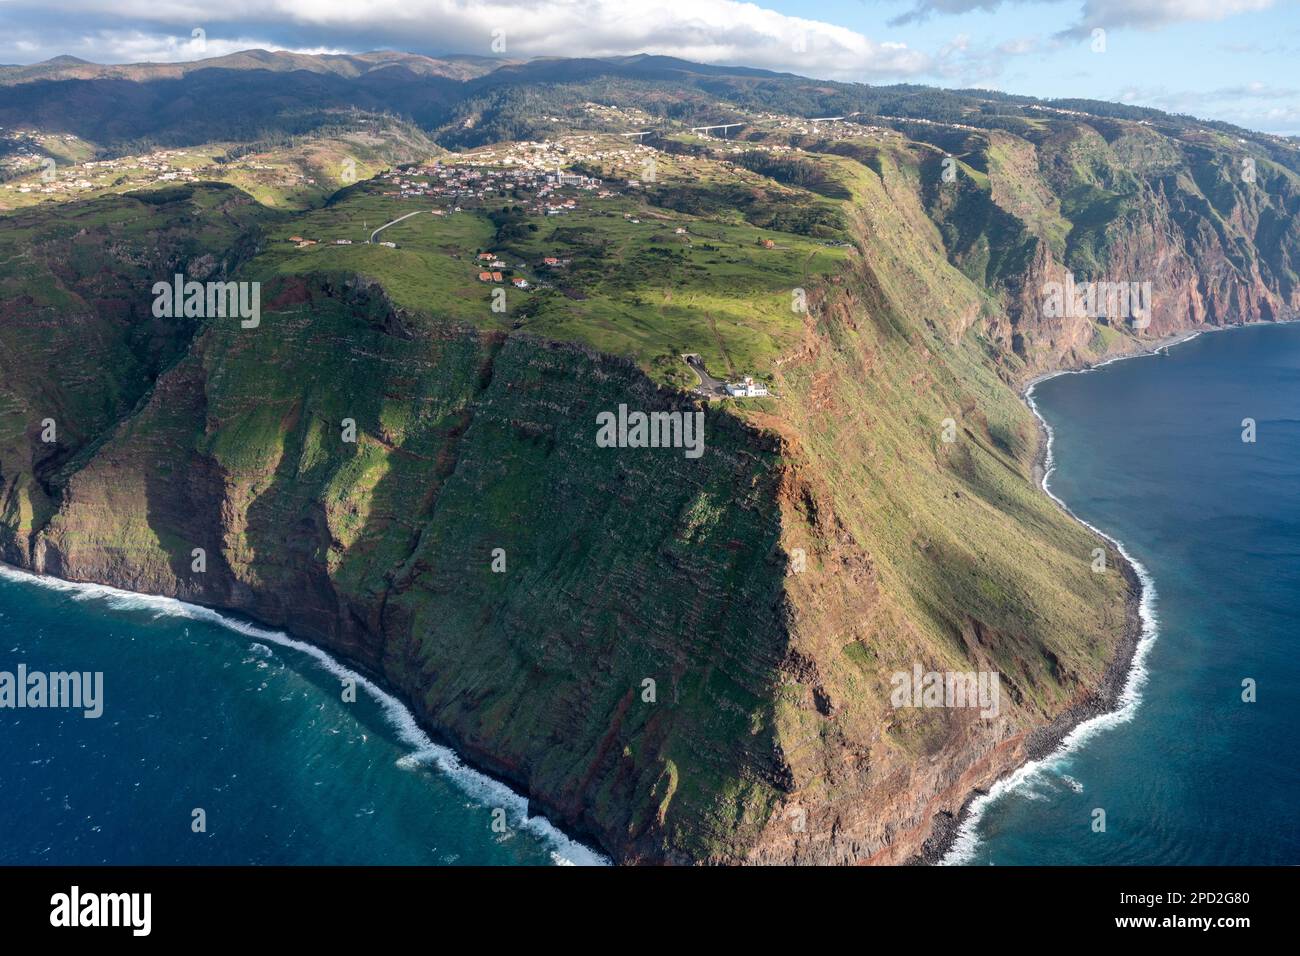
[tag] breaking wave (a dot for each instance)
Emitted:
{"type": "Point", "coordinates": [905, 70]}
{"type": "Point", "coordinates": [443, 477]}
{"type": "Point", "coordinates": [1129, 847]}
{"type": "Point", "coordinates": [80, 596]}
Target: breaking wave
{"type": "Point", "coordinates": [425, 752]}
{"type": "Point", "coordinates": [967, 840]}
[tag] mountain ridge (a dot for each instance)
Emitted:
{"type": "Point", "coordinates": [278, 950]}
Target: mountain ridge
{"type": "Point", "coordinates": [877, 513]}
{"type": "Point", "coordinates": [455, 79]}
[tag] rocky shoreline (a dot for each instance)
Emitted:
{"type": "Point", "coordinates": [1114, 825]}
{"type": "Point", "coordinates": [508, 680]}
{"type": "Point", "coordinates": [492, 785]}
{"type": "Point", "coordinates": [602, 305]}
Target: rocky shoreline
{"type": "Point", "coordinates": [1043, 741]}
{"type": "Point", "coordinates": [1106, 698]}
{"type": "Point", "coordinates": [945, 826]}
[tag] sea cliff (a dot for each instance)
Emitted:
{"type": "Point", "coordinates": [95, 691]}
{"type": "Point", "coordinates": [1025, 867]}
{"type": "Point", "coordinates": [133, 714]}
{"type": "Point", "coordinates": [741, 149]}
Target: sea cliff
{"type": "Point", "coordinates": [686, 661]}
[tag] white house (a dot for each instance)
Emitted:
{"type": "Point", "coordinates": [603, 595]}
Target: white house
{"type": "Point", "coordinates": [746, 388]}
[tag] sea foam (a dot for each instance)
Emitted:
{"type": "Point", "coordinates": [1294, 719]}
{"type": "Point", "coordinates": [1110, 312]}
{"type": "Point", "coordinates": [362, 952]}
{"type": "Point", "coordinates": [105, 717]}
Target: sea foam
{"type": "Point", "coordinates": [425, 752]}
{"type": "Point", "coordinates": [967, 840]}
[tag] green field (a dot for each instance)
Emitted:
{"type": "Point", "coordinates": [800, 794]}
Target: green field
{"type": "Point", "coordinates": [633, 285]}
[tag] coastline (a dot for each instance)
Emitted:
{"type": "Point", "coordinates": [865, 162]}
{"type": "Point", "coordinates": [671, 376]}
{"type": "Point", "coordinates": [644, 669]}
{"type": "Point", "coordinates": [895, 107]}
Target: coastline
{"type": "Point", "coordinates": [1159, 345]}
{"type": "Point", "coordinates": [1116, 696]}
{"type": "Point", "coordinates": [477, 784]}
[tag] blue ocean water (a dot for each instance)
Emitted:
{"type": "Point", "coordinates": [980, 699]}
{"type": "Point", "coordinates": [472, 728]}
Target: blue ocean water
{"type": "Point", "coordinates": [1150, 451]}
{"type": "Point", "coordinates": [206, 712]}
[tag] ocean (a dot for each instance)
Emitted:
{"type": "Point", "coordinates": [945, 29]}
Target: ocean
{"type": "Point", "coordinates": [1150, 451]}
{"type": "Point", "coordinates": [205, 712]}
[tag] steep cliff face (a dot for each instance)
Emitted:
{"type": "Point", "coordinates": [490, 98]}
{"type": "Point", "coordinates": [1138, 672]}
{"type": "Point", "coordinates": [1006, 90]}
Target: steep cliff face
{"type": "Point", "coordinates": [770, 703]}
{"type": "Point", "coordinates": [1211, 230]}
{"type": "Point", "coordinates": [616, 566]}
{"type": "Point", "coordinates": [80, 346]}
{"type": "Point", "coordinates": [686, 659]}
{"type": "Point", "coordinates": [922, 554]}
{"type": "Point", "coordinates": [771, 688]}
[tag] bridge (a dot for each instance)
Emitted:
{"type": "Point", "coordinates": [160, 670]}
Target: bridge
{"type": "Point", "coordinates": [722, 126]}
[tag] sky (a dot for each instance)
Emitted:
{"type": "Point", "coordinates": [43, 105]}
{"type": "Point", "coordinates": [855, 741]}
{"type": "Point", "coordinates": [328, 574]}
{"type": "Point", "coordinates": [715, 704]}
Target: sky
{"type": "Point", "coordinates": [1234, 60]}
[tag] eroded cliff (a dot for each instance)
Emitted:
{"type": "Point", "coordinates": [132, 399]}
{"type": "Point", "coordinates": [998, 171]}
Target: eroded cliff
{"type": "Point", "coordinates": [684, 659]}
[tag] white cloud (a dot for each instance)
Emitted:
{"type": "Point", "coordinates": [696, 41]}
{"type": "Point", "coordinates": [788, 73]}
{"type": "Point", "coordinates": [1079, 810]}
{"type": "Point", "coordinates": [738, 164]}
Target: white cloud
{"type": "Point", "coordinates": [136, 46]}
{"type": "Point", "coordinates": [1253, 105]}
{"type": "Point", "coordinates": [1150, 14]}
{"type": "Point", "coordinates": [968, 62]}
{"type": "Point", "coordinates": [1108, 14]}
{"type": "Point", "coordinates": [710, 31]}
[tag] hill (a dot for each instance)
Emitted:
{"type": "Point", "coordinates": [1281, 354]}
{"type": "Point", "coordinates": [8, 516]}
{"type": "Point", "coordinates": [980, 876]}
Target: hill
{"type": "Point", "coordinates": [686, 659]}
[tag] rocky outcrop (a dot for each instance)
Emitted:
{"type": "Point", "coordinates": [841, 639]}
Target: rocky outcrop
{"type": "Point", "coordinates": [769, 700]}
{"type": "Point", "coordinates": [683, 659]}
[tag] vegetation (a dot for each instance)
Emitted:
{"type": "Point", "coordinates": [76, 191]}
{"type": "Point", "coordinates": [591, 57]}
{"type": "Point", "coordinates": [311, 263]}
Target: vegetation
{"type": "Point", "coordinates": [892, 307]}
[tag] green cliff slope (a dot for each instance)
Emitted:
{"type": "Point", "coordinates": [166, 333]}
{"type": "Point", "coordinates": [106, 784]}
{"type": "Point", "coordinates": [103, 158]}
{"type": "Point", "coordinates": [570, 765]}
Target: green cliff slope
{"type": "Point", "coordinates": [686, 659]}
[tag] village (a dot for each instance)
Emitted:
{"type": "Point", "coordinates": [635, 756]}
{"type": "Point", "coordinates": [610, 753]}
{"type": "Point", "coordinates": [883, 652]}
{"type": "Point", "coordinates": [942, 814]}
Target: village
{"type": "Point", "coordinates": [536, 179]}
{"type": "Point", "coordinates": [463, 183]}
{"type": "Point", "coordinates": [31, 171]}
{"type": "Point", "coordinates": [547, 178]}
{"type": "Point", "coordinates": [29, 157]}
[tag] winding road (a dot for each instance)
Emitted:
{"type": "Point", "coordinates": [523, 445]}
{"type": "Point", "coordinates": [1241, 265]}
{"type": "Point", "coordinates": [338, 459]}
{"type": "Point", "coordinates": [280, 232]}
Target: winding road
{"type": "Point", "coordinates": [710, 386]}
{"type": "Point", "coordinates": [393, 223]}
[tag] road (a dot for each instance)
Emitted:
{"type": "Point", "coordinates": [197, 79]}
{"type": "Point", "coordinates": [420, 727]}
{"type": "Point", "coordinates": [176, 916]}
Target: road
{"type": "Point", "coordinates": [393, 223]}
{"type": "Point", "coordinates": [710, 386]}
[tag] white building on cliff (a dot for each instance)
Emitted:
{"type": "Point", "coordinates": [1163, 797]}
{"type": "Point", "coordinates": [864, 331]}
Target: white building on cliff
{"type": "Point", "coordinates": [746, 388]}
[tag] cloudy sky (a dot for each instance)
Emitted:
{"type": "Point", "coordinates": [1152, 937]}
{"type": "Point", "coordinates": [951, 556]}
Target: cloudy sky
{"type": "Point", "coordinates": [1226, 59]}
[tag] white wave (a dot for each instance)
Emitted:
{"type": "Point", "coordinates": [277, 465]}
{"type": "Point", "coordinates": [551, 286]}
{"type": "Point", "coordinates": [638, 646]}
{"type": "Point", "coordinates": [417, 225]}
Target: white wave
{"type": "Point", "coordinates": [1130, 698]}
{"type": "Point", "coordinates": [481, 788]}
